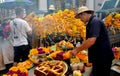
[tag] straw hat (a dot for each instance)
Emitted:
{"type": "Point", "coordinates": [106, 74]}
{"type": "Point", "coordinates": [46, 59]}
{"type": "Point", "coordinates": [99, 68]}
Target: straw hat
{"type": "Point", "coordinates": [83, 9]}
{"type": "Point", "coordinates": [52, 7]}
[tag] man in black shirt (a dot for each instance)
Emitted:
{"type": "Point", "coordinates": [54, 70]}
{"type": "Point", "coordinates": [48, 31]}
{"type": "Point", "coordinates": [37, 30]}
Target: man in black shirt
{"type": "Point", "coordinates": [97, 42]}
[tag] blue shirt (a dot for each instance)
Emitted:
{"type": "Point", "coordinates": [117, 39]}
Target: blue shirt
{"type": "Point", "coordinates": [101, 51]}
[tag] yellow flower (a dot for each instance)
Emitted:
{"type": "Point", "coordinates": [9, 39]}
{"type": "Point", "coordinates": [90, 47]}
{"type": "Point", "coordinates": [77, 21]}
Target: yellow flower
{"type": "Point", "coordinates": [108, 20]}
{"type": "Point", "coordinates": [117, 16]}
{"type": "Point", "coordinates": [23, 70]}
{"type": "Point", "coordinates": [62, 21]}
{"type": "Point", "coordinates": [34, 52]}
{"type": "Point", "coordinates": [5, 75]}
{"type": "Point", "coordinates": [14, 68]}
{"type": "Point", "coordinates": [15, 75]}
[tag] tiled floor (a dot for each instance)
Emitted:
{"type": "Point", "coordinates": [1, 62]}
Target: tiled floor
{"type": "Point", "coordinates": [7, 68]}
{"type": "Point", "coordinates": [31, 72]}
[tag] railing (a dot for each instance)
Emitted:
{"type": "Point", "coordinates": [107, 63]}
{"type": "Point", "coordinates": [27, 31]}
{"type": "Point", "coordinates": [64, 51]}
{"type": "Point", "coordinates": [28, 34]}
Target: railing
{"type": "Point", "coordinates": [114, 38]}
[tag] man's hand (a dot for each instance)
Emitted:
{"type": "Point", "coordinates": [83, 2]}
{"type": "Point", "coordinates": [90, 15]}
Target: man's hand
{"type": "Point", "coordinates": [74, 52]}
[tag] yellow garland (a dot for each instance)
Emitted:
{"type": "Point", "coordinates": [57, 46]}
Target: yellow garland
{"type": "Point", "coordinates": [34, 52]}
{"type": "Point", "coordinates": [16, 68]}
{"type": "Point", "coordinates": [113, 20]}
{"type": "Point", "coordinates": [15, 75]}
{"type": "Point", "coordinates": [62, 21]}
{"type": "Point", "coordinates": [26, 64]}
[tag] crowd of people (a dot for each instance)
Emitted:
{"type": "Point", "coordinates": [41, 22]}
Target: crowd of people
{"type": "Point", "coordinates": [14, 46]}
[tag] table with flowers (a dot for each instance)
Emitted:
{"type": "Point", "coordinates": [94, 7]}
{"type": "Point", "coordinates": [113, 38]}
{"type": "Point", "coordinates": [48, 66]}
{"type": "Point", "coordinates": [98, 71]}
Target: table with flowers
{"type": "Point", "coordinates": [49, 28]}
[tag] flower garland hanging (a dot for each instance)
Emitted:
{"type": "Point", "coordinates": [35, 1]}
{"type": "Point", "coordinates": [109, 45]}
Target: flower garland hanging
{"type": "Point", "coordinates": [60, 22]}
{"type": "Point", "coordinates": [112, 21]}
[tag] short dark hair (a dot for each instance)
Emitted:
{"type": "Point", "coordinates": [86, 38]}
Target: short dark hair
{"type": "Point", "coordinates": [18, 10]}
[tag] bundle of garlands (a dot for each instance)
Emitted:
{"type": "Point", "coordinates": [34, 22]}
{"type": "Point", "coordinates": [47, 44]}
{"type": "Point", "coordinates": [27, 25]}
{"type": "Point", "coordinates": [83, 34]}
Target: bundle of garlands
{"type": "Point", "coordinates": [59, 51]}
{"type": "Point", "coordinates": [112, 21]}
{"type": "Point", "coordinates": [17, 71]}
{"type": "Point", "coordinates": [21, 69]}
{"type": "Point", "coordinates": [62, 22]}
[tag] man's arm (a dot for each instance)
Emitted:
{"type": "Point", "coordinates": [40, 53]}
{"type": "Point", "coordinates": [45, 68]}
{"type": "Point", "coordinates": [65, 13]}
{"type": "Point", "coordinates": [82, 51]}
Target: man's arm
{"type": "Point", "coordinates": [28, 28]}
{"type": "Point", "coordinates": [85, 45]}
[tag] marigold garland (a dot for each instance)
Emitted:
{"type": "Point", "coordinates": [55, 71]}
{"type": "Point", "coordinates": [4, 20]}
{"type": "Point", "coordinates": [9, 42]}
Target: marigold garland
{"type": "Point", "coordinates": [17, 71]}
{"type": "Point", "coordinates": [62, 21]}
{"type": "Point", "coordinates": [113, 20]}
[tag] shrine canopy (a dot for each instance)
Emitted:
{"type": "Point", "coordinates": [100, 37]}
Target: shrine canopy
{"type": "Point", "coordinates": [11, 4]}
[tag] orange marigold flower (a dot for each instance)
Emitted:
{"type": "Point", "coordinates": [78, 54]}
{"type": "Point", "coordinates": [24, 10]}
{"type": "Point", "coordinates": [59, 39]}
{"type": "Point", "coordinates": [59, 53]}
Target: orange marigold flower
{"type": "Point", "coordinates": [15, 75]}
{"type": "Point", "coordinates": [14, 68]}
{"type": "Point", "coordinates": [34, 52]}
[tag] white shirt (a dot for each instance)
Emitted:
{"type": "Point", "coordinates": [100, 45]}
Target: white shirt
{"type": "Point", "coordinates": [19, 32]}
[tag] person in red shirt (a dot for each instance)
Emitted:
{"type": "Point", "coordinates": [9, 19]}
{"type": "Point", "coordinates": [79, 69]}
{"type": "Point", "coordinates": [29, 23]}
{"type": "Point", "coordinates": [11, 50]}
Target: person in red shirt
{"type": "Point", "coordinates": [6, 28]}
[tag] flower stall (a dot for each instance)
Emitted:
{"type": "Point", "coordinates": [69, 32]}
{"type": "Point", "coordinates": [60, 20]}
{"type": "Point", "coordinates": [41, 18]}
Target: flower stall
{"type": "Point", "coordinates": [54, 36]}
{"type": "Point", "coordinates": [58, 54]}
{"type": "Point", "coordinates": [61, 52]}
